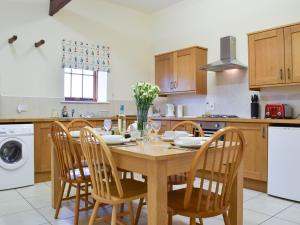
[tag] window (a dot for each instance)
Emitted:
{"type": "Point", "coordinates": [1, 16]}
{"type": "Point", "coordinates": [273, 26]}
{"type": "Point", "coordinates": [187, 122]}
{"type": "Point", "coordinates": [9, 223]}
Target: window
{"type": "Point", "coordinates": [85, 85]}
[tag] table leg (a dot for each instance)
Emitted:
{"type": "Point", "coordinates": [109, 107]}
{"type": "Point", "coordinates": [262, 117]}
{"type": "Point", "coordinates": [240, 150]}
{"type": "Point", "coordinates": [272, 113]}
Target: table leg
{"type": "Point", "coordinates": [157, 201]}
{"type": "Point", "coordinates": [55, 183]}
{"type": "Point", "coordinates": [236, 199]}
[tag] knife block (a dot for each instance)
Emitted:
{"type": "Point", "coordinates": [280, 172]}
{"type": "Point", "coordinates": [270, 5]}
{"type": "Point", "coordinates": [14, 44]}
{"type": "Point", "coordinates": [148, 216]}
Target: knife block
{"type": "Point", "coordinates": [254, 110]}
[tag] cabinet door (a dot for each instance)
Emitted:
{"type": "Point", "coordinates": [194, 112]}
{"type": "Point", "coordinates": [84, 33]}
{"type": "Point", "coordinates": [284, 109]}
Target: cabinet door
{"type": "Point", "coordinates": [185, 72]}
{"type": "Point", "coordinates": [256, 151]}
{"type": "Point", "coordinates": [42, 147]}
{"type": "Point", "coordinates": [164, 72]}
{"type": "Point", "coordinates": [266, 58]}
{"type": "Point", "coordinates": [165, 126]}
{"type": "Point", "coordinates": [292, 53]}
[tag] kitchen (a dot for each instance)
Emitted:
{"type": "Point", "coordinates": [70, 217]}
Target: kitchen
{"type": "Point", "coordinates": [32, 81]}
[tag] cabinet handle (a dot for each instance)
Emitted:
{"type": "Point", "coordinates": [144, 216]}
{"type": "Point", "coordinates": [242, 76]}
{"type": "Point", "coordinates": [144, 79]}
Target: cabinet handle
{"type": "Point", "coordinates": [281, 74]}
{"type": "Point", "coordinates": [289, 73]}
{"type": "Point", "coordinates": [263, 133]}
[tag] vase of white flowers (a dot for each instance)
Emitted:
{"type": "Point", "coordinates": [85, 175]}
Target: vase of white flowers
{"type": "Point", "coordinates": [144, 94]}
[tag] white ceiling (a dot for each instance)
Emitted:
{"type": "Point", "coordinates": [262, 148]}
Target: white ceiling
{"type": "Point", "coordinates": [147, 6]}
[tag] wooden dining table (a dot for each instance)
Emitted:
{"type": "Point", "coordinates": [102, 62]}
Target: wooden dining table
{"type": "Point", "coordinates": [157, 161]}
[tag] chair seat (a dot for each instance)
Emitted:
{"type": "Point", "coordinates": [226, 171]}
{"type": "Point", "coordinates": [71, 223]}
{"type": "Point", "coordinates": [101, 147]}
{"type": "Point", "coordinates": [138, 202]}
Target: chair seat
{"type": "Point", "coordinates": [76, 175]}
{"type": "Point", "coordinates": [176, 204]}
{"type": "Point", "coordinates": [131, 189]}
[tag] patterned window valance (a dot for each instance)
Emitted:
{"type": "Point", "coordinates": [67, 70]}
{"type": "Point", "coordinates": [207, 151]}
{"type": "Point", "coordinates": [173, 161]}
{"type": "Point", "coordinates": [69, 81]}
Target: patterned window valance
{"type": "Point", "coordinates": [85, 56]}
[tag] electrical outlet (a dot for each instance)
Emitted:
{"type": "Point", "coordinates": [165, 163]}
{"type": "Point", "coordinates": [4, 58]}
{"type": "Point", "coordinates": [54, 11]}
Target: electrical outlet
{"type": "Point", "coordinates": [212, 106]}
{"type": "Point", "coordinates": [22, 108]}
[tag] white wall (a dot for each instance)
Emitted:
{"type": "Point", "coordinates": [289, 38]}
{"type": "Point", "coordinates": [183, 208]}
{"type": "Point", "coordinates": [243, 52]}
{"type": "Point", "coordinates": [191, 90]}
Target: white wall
{"type": "Point", "coordinates": [33, 76]}
{"type": "Point", "coordinates": [203, 22]}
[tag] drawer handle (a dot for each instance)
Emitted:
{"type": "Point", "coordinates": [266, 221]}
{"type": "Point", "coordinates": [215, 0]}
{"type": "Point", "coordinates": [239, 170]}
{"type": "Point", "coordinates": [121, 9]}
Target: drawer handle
{"type": "Point", "coordinates": [289, 73]}
{"type": "Point", "coordinates": [281, 74]}
{"type": "Point", "coordinates": [263, 133]}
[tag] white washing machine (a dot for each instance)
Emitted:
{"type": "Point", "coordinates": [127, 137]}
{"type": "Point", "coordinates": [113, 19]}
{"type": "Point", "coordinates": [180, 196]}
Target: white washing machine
{"type": "Point", "coordinates": [16, 155]}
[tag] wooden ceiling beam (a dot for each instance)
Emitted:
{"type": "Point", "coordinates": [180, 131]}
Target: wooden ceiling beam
{"type": "Point", "coordinates": [56, 5]}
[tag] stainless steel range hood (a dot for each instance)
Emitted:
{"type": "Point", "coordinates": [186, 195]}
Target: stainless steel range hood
{"type": "Point", "coordinates": [228, 57]}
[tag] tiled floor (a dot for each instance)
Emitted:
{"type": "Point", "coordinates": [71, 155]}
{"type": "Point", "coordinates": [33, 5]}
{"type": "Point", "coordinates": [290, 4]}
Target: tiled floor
{"type": "Point", "coordinates": [31, 206]}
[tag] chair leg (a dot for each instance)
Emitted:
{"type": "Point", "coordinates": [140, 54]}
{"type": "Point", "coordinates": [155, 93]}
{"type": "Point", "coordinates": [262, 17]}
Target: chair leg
{"type": "Point", "coordinates": [226, 219]}
{"type": "Point", "coordinates": [201, 221]}
{"type": "Point", "coordinates": [86, 204]}
{"type": "Point", "coordinates": [77, 204]}
{"type": "Point", "coordinates": [122, 206]}
{"type": "Point", "coordinates": [138, 212]}
{"type": "Point", "coordinates": [131, 213]}
{"type": "Point", "coordinates": [193, 221]}
{"type": "Point", "coordinates": [170, 219]}
{"type": "Point", "coordinates": [60, 197]}
{"type": "Point", "coordinates": [69, 189]}
{"type": "Point", "coordinates": [114, 216]}
{"type": "Point", "coordinates": [94, 214]}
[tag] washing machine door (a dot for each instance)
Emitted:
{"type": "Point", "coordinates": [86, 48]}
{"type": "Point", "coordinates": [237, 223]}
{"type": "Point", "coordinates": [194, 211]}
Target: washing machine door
{"type": "Point", "coordinates": [13, 153]}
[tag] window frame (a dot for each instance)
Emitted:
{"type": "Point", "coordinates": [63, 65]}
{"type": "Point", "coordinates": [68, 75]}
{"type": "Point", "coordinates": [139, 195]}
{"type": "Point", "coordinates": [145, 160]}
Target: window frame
{"type": "Point", "coordinates": [82, 99]}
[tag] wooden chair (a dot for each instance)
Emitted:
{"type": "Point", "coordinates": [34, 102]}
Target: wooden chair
{"type": "Point", "coordinates": [114, 191]}
{"type": "Point", "coordinates": [77, 124]}
{"type": "Point", "coordinates": [70, 169]}
{"type": "Point", "coordinates": [217, 173]}
{"type": "Point", "coordinates": [196, 130]}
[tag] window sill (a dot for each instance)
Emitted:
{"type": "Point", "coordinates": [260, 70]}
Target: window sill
{"type": "Point", "coordinates": [83, 102]}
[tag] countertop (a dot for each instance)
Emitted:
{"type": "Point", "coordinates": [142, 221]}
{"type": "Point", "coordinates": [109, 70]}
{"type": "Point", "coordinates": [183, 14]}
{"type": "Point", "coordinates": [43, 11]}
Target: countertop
{"type": "Point", "coordinates": [51, 119]}
{"type": "Point", "coordinates": [233, 120]}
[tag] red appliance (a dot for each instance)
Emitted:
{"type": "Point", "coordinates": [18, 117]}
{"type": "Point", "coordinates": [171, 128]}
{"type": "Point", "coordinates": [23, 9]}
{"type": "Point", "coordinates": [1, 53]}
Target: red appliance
{"type": "Point", "coordinates": [278, 111]}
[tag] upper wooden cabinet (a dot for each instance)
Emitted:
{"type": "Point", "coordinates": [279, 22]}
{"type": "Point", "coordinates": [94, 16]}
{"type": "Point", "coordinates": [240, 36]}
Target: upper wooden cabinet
{"type": "Point", "coordinates": [274, 57]}
{"type": "Point", "coordinates": [179, 71]}
{"type": "Point", "coordinates": [164, 72]}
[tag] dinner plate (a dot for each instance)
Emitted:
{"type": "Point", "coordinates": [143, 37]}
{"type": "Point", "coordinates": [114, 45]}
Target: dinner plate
{"type": "Point", "coordinates": [114, 139]}
{"type": "Point", "coordinates": [186, 145]}
{"type": "Point", "coordinates": [168, 139]}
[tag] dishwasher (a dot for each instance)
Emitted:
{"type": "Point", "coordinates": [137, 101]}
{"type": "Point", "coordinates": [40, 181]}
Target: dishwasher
{"type": "Point", "coordinates": [284, 162]}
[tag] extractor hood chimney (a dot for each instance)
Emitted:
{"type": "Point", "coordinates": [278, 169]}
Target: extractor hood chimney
{"type": "Point", "coordinates": [228, 57]}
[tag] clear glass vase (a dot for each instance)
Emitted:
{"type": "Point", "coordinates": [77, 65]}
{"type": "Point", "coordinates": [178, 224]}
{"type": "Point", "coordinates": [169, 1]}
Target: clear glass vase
{"type": "Point", "coordinates": [142, 116]}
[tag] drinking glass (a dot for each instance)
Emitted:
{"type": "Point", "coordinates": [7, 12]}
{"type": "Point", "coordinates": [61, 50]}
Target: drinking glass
{"type": "Point", "coordinates": [156, 125]}
{"type": "Point", "coordinates": [107, 125]}
{"type": "Point", "coordinates": [147, 129]}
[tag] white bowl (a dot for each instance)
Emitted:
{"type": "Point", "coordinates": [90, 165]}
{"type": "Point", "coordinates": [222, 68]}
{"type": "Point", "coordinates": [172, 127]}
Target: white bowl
{"type": "Point", "coordinates": [75, 133]}
{"type": "Point", "coordinates": [113, 139]}
{"type": "Point", "coordinates": [173, 135]}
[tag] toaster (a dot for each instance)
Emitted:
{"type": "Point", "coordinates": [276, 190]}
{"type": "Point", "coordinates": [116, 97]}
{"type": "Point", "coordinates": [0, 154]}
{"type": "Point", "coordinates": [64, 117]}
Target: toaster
{"type": "Point", "coordinates": [278, 111]}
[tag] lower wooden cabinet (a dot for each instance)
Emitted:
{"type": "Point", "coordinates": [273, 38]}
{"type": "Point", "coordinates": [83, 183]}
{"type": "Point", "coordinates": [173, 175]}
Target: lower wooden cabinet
{"type": "Point", "coordinates": [42, 151]}
{"type": "Point", "coordinates": [165, 126]}
{"type": "Point", "coordinates": [256, 152]}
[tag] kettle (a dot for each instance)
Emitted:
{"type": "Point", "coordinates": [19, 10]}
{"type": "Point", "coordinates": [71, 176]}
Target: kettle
{"type": "Point", "coordinates": [170, 110]}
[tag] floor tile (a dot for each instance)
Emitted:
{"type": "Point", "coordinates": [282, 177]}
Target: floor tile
{"type": "Point", "coordinates": [39, 189]}
{"type": "Point", "coordinates": [250, 194]}
{"type": "Point", "coordinates": [290, 214]}
{"type": "Point", "coordinates": [30, 217]}
{"type": "Point", "coordinates": [15, 206]}
{"type": "Point", "coordinates": [9, 195]}
{"type": "Point", "coordinates": [254, 218]}
{"type": "Point", "coordinates": [39, 201]}
{"type": "Point", "coordinates": [267, 205]}
{"type": "Point", "coordinates": [276, 221]}
{"type": "Point", "coordinates": [48, 213]}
